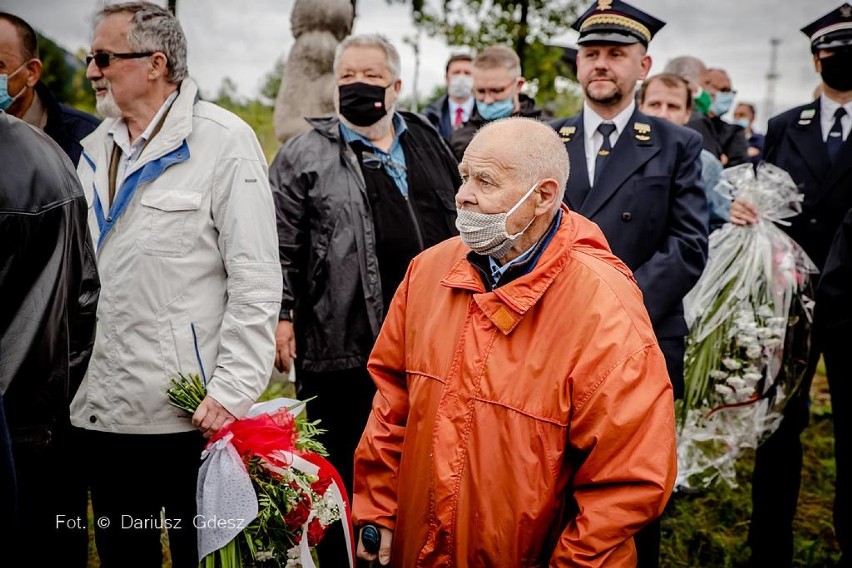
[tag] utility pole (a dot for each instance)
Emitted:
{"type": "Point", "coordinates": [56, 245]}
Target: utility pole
{"type": "Point", "coordinates": [772, 77]}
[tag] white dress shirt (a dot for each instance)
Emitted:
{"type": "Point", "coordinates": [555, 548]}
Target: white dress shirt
{"type": "Point", "coordinates": [827, 108]}
{"type": "Point", "coordinates": [594, 139]}
{"type": "Point", "coordinates": [467, 109]}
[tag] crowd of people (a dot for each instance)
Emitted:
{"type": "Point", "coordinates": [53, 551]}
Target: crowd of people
{"type": "Point", "coordinates": [485, 306]}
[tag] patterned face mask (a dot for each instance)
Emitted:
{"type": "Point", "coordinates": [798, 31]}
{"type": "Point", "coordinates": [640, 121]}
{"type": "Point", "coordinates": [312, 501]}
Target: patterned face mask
{"type": "Point", "coordinates": [486, 233]}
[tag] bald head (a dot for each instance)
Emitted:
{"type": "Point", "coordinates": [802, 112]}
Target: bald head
{"type": "Point", "coordinates": [690, 68]}
{"type": "Point", "coordinates": [530, 149]}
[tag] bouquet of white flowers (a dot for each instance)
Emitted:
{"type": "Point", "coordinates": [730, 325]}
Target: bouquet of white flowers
{"type": "Point", "coordinates": [749, 317]}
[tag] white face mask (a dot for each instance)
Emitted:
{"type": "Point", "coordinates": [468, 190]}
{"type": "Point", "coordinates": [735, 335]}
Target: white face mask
{"type": "Point", "coordinates": [486, 233]}
{"type": "Point", "coordinates": [461, 86]}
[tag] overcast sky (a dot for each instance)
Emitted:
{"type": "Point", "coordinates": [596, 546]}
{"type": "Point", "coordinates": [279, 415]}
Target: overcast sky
{"type": "Point", "coordinates": [242, 39]}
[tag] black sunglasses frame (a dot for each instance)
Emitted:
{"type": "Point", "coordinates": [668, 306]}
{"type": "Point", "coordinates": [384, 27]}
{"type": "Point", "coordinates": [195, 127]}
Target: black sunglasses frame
{"type": "Point", "coordinates": [102, 59]}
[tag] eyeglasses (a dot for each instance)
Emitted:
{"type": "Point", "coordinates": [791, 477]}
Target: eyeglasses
{"type": "Point", "coordinates": [374, 162]}
{"type": "Point", "coordinates": [493, 92]}
{"type": "Point", "coordinates": [102, 58]}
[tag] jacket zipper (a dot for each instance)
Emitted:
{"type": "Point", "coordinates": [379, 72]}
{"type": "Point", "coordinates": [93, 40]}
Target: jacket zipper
{"type": "Point", "coordinates": [414, 221]}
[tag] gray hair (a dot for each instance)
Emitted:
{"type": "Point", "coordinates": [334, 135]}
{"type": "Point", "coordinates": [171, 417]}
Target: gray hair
{"type": "Point", "coordinates": [686, 66]}
{"type": "Point", "coordinates": [371, 40]}
{"type": "Point", "coordinates": [540, 151]}
{"type": "Point", "coordinates": [153, 28]}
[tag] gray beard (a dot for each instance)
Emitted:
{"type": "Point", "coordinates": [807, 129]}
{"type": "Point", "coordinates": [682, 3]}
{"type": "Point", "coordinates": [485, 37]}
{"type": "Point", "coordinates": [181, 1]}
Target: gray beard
{"type": "Point", "coordinates": [107, 107]}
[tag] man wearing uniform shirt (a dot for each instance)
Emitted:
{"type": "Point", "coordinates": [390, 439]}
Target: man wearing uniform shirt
{"type": "Point", "coordinates": [642, 185]}
{"type": "Point", "coordinates": [812, 143]}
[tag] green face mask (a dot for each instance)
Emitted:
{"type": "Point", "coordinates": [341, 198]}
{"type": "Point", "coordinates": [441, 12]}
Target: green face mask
{"type": "Point", "coordinates": [703, 102]}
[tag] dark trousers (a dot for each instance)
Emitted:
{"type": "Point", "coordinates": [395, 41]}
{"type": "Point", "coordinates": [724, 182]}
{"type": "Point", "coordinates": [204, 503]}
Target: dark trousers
{"type": "Point", "coordinates": [51, 496]}
{"type": "Point", "coordinates": [839, 370]}
{"type": "Point", "coordinates": [343, 404]}
{"type": "Point", "coordinates": [133, 478]}
{"type": "Point", "coordinates": [776, 480]}
{"type": "Point", "coordinates": [648, 538]}
{"type": "Point", "coordinates": [8, 489]}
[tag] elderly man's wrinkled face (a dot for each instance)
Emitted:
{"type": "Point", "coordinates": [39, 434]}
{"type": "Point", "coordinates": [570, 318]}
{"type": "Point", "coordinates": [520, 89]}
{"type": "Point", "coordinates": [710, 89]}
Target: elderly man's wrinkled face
{"type": "Point", "coordinates": [667, 102]}
{"type": "Point", "coordinates": [492, 181]}
{"type": "Point", "coordinates": [368, 64]}
{"type": "Point", "coordinates": [608, 72]}
{"type": "Point", "coordinates": [124, 81]}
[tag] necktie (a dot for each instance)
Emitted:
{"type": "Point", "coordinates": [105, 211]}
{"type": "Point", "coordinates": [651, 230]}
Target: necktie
{"type": "Point", "coordinates": [835, 135]}
{"type": "Point", "coordinates": [606, 129]}
{"type": "Point", "coordinates": [459, 119]}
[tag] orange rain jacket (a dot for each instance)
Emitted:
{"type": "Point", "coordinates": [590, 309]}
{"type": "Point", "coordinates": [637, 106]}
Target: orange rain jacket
{"type": "Point", "coordinates": [529, 425]}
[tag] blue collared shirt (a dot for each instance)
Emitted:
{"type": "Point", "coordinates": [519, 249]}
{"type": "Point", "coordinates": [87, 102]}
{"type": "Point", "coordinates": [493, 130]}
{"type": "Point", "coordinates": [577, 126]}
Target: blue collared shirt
{"type": "Point", "coordinates": [529, 256]}
{"type": "Point", "coordinates": [394, 160]}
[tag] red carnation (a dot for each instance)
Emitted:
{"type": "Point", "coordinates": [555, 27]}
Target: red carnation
{"type": "Point", "coordinates": [315, 532]}
{"type": "Point", "coordinates": [298, 515]}
{"type": "Point", "coordinates": [321, 485]}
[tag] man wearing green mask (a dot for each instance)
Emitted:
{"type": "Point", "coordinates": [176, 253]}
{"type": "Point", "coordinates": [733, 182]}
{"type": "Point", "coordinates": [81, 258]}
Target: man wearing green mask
{"type": "Point", "coordinates": [497, 83]}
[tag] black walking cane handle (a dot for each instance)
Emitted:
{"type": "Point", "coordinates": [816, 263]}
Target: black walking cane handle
{"type": "Point", "coordinates": [370, 539]}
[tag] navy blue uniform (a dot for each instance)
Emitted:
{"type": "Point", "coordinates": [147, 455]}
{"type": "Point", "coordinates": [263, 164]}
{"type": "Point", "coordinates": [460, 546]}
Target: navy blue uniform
{"type": "Point", "coordinates": [650, 205]}
{"type": "Point", "coordinates": [794, 142]}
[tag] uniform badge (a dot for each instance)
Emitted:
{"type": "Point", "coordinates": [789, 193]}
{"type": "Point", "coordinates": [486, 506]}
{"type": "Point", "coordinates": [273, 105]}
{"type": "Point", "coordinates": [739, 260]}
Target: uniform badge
{"type": "Point", "coordinates": [642, 131]}
{"type": "Point", "coordinates": [806, 116]}
{"type": "Point", "coordinates": [566, 132]}
{"type": "Point", "coordinates": [604, 4]}
{"type": "Point", "coordinates": [846, 11]}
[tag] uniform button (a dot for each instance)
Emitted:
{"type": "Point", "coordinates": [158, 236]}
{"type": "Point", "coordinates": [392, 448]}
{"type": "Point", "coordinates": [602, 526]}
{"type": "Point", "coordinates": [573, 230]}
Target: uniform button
{"type": "Point", "coordinates": [93, 419]}
{"type": "Point", "coordinates": [813, 221]}
{"type": "Point", "coordinates": [626, 216]}
{"type": "Point", "coordinates": [109, 219]}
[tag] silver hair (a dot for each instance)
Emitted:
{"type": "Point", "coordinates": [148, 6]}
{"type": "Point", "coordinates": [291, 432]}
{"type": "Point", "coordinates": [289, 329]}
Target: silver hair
{"type": "Point", "coordinates": [371, 40]}
{"type": "Point", "coordinates": [153, 28]}
{"type": "Point", "coordinates": [541, 154]}
{"type": "Point", "coordinates": [686, 66]}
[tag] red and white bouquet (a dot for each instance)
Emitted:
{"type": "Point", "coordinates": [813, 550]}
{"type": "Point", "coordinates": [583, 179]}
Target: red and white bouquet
{"type": "Point", "coordinates": [266, 494]}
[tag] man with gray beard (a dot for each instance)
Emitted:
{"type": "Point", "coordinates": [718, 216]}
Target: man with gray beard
{"type": "Point", "coordinates": [181, 214]}
{"type": "Point", "coordinates": [357, 197]}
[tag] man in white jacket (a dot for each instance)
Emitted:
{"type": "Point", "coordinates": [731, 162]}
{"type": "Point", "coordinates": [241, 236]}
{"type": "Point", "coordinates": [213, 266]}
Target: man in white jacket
{"type": "Point", "coordinates": [181, 214]}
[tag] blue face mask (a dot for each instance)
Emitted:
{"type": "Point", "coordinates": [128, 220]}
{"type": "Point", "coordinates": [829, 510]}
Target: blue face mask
{"type": "Point", "coordinates": [6, 99]}
{"type": "Point", "coordinates": [722, 103]}
{"type": "Point", "coordinates": [743, 122]}
{"type": "Point", "coordinates": [495, 110]}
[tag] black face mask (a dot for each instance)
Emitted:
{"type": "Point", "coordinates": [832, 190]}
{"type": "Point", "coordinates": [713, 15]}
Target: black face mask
{"type": "Point", "coordinates": [837, 70]}
{"type": "Point", "coordinates": [362, 104]}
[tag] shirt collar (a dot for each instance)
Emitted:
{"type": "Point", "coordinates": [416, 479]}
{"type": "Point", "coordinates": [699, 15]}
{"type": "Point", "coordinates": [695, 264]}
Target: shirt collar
{"type": "Point", "coordinates": [829, 107]}
{"type": "Point", "coordinates": [467, 106]}
{"type": "Point", "coordinates": [591, 119]}
{"type": "Point", "coordinates": [350, 135]}
{"type": "Point", "coordinates": [121, 136]}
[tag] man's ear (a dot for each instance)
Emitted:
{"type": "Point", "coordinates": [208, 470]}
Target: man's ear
{"type": "Point", "coordinates": [817, 63]}
{"type": "Point", "coordinates": [34, 69]}
{"type": "Point", "coordinates": [548, 193]}
{"type": "Point", "coordinates": [646, 66]}
{"type": "Point", "coordinates": [159, 65]}
{"type": "Point", "coordinates": [397, 86]}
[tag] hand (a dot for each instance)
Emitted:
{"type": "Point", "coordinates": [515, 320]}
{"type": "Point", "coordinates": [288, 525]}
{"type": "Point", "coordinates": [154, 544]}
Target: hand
{"type": "Point", "coordinates": [210, 416]}
{"type": "Point", "coordinates": [285, 346]}
{"type": "Point", "coordinates": [384, 554]}
{"type": "Point", "coordinates": [743, 213]}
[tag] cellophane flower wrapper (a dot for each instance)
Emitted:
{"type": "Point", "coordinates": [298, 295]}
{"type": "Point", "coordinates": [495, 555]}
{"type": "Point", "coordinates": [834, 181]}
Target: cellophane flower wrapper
{"type": "Point", "coordinates": [266, 472]}
{"type": "Point", "coordinates": [749, 319]}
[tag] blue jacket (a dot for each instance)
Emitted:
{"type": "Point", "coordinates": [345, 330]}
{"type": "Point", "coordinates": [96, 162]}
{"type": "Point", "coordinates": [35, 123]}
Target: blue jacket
{"type": "Point", "coordinates": [651, 207]}
{"type": "Point", "coordinates": [66, 125]}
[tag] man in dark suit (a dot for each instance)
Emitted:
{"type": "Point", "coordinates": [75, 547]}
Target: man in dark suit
{"type": "Point", "coordinates": [812, 143]}
{"type": "Point", "coordinates": [638, 178]}
{"type": "Point", "coordinates": [456, 107]}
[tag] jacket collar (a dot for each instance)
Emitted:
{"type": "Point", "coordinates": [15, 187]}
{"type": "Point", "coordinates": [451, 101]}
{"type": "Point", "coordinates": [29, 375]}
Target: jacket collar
{"type": "Point", "coordinates": [507, 305]}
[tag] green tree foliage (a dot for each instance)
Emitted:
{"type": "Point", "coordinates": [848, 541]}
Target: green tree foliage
{"type": "Point", "coordinates": [65, 75]}
{"type": "Point", "coordinates": [526, 25]}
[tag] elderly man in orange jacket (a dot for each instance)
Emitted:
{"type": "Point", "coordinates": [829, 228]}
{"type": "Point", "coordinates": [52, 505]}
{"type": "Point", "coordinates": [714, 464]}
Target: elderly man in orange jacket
{"type": "Point", "coordinates": [524, 416]}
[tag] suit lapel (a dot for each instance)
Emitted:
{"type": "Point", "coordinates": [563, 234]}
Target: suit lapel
{"type": "Point", "coordinates": [806, 136]}
{"type": "Point", "coordinates": [578, 180]}
{"type": "Point", "coordinates": [635, 146]}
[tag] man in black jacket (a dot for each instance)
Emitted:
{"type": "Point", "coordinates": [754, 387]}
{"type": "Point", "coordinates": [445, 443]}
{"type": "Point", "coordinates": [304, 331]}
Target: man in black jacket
{"type": "Point", "coordinates": [452, 110]}
{"type": "Point", "coordinates": [497, 83]}
{"type": "Point", "coordinates": [357, 197]}
{"type": "Point", "coordinates": [31, 100]}
{"type": "Point", "coordinates": [49, 287]}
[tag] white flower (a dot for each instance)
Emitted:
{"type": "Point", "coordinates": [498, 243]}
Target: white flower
{"type": "Point", "coordinates": [294, 558]}
{"type": "Point", "coordinates": [718, 375]}
{"type": "Point", "coordinates": [731, 364]}
{"type": "Point", "coordinates": [751, 378]}
{"type": "Point", "coordinates": [745, 392]}
{"type": "Point", "coordinates": [773, 342]}
{"type": "Point", "coordinates": [723, 389]}
{"type": "Point", "coordinates": [753, 351]}
{"type": "Point", "coordinates": [765, 311]}
{"type": "Point", "coordinates": [736, 382]}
